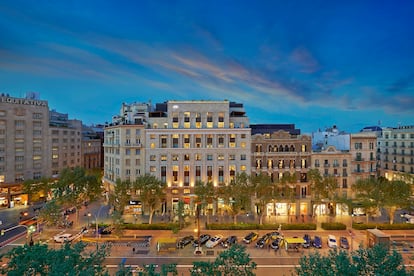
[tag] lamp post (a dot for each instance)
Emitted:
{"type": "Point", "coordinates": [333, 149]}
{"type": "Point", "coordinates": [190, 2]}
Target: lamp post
{"type": "Point", "coordinates": [351, 233]}
{"type": "Point", "coordinates": [197, 250]}
{"type": "Point", "coordinates": [89, 215]}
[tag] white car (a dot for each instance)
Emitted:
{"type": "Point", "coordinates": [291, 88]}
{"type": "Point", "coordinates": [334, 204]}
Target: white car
{"type": "Point", "coordinates": [214, 241]}
{"type": "Point", "coordinates": [332, 243]}
{"type": "Point", "coordinates": [66, 237]}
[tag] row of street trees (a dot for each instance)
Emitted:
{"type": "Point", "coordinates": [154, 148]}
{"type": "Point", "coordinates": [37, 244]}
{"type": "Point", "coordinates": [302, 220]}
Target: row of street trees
{"type": "Point", "coordinates": [73, 188]}
{"type": "Point", "coordinates": [245, 191]}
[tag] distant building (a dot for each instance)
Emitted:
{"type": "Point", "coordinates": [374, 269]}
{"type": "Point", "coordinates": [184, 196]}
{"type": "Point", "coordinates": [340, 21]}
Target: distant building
{"type": "Point", "coordinates": [65, 141]}
{"type": "Point", "coordinates": [330, 137]}
{"type": "Point", "coordinates": [92, 149]}
{"type": "Point", "coordinates": [268, 129]}
{"type": "Point", "coordinates": [396, 147]}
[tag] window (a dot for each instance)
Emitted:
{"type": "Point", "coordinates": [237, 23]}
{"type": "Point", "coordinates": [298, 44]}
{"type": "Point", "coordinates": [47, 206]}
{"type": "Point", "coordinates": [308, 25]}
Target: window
{"type": "Point", "coordinates": [175, 140]}
{"type": "Point", "coordinates": [209, 157]}
{"type": "Point", "coordinates": [198, 141]}
{"type": "Point", "coordinates": [209, 173]}
{"type": "Point", "coordinates": [232, 157]}
{"type": "Point", "coordinates": [197, 157]}
{"type": "Point", "coordinates": [209, 141]}
{"type": "Point", "coordinates": [221, 175]}
{"type": "Point", "coordinates": [209, 120]}
{"type": "Point", "coordinates": [220, 120]}
{"type": "Point", "coordinates": [153, 158]}
{"type": "Point", "coordinates": [186, 141]}
{"type": "Point", "coordinates": [175, 157]}
{"type": "Point", "coordinates": [198, 120]}
{"type": "Point", "coordinates": [303, 148]}
{"type": "Point", "coordinates": [232, 141]}
{"type": "Point", "coordinates": [220, 141]}
{"type": "Point", "coordinates": [243, 157]}
{"type": "Point", "coordinates": [317, 163]}
{"type": "Point", "coordinates": [186, 157]}
{"type": "Point", "coordinates": [186, 119]}
{"type": "Point", "coordinates": [163, 157]}
{"type": "Point", "coordinates": [198, 173]}
{"type": "Point", "coordinates": [220, 157]}
{"type": "Point", "coordinates": [186, 176]}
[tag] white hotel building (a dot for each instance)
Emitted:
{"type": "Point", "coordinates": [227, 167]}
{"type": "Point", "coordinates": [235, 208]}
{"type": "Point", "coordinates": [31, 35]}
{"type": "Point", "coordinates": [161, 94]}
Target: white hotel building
{"type": "Point", "coordinates": [179, 142]}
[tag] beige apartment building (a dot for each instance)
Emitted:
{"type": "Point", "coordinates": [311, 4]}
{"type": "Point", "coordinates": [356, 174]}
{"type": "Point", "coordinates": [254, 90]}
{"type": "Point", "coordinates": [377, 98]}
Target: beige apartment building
{"type": "Point", "coordinates": [397, 152]}
{"type": "Point", "coordinates": [333, 163]}
{"type": "Point", "coordinates": [179, 142]}
{"type": "Point", "coordinates": [24, 145]}
{"type": "Point", "coordinates": [65, 141]}
{"type": "Point", "coordinates": [282, 152]}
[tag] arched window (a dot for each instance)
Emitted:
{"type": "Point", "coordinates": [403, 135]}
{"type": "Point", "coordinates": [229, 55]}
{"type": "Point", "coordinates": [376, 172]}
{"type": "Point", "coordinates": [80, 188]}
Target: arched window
{"type": "Point", "coordinates": [281, 148]}
{"type": "Point", "coordinates": [286, 148]}
{"type": "Point", "coordinates": [292, 148]}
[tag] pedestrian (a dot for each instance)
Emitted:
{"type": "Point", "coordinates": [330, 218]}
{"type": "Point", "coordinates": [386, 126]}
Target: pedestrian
{"type": "Point", "coordinates": [133, 250]}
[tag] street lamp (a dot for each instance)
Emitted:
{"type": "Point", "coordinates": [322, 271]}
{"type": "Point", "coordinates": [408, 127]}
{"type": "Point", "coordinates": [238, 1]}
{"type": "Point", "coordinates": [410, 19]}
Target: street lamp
{"type": "Point", "coordinates": [351, 233]}
{"type": "Point", "coordinates": [197, 250]}
{"type": "Point", "coordinates": [89, 215]}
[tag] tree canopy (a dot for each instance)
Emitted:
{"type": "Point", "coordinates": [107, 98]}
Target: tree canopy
{"type": "Point", "coordinates": [377, 260]}
{"type": "Point", "coordinates": [66, 260]}
{"type": "Point", "coordinates": [234, 261]}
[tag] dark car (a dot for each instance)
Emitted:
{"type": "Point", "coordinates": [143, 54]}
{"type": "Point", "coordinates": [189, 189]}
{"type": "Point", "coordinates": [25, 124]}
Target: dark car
{"type": "Point", "coordinates": [274, 235]}
{"type": "Point", "coordinates": [203, 239]}
{"type": "Point", "coordinates": [275, 244]}
{"type": "Point", "coordinates": [229, 241]}
{"type": "Point", "coordinates": [183, 242]}
{"type": "Point", "coordinates": [343, 243]}
{"type": "Point", "coordinates": [105, 230]}
{"type": "Point", "coordinates": [264, 240]}
{"type": "Point", "coordinates": [307, 242]}
{"type": "Point", "coordinates": [317, 242]}
{"type": "Point", "coordinates": [252, 236]}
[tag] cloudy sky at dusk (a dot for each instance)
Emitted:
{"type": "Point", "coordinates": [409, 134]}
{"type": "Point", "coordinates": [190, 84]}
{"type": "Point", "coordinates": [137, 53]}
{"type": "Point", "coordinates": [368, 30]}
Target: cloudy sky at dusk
{"type": "Point", "coordinates": [311, 63]}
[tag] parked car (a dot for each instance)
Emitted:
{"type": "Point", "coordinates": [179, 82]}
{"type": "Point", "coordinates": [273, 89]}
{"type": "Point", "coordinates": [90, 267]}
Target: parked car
{"type": "Point", "coordinates": [66, 237]}
{"type": "Point", "coordinates": [343, 243]}
{"type": "Point", "coordinates": [264, 240]}
{"type": "Point", "coordinates": [332, 241]}
{"type": "Point", "coordinates": [105, 230]}
{"type": "Point", "coordinates": [317, 242]}
{"type": "Point", "coordinates": [274, 235]}
{"type": "Point", "coordinates": [252, 236]}
{"type": "Point", "coordinates": [229, 241]}
{"type": "Point", "coordinates": [307, 242]}
{"type": "Point", "coordinates": [183, 242]}
{"type": "Point", "coordinates": [203, 239]}
{"type": "Point", "coordinates": [275, 244]}
{"type": "Point", "coordinates": [212, 242]}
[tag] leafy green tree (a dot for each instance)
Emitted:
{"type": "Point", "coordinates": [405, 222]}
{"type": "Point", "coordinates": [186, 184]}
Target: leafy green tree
{"type": "Point", "coordinates": [37, 189]}
{"type": "Point", "coordinates": [206, 194]}
{"type": "Point", "coordinates": [237, 195]}
{"type": "Point", "coordinates": [264, 191]}
{"type": "Point", "coordinates": [377, 260]}
{"type": "Point", "coordinates": [51, 213]}
{"type": "Point", "coordinates": [180, 214]}
{"type": "Point", "coordinates": [234, 261]}
{"type": "Point", "coordinates": [75, 186]}
{"type": "Point", "coordinates": [151, 192]}
{"type": "Point", "coordinates": [375, 193]}
{"type": "Point", "coordinates": [67, 260]}
{"type": "Point", "coordinates": [121, 195]}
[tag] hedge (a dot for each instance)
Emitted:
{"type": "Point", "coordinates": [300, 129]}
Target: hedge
{"type": "Point", "coordinates": [383, 226]}
{"type": "Point", "coordinates": [333, 226]}
{"type": "Point", "coordinates": [154, 226]}
{"type": "Point", "coordinates": [255, 226]}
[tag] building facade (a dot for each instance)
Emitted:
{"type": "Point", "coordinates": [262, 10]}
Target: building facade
{"type": "Point", "coordinates": [66, 142]}
{"type": "Point", "coordinates": [331, 162]}
{"type": "Point", "coordinates": [180, 143]}
{"type": "Point", "coordinates": [397, 152]}
{"type": "Point", "coordinates": [278, 153]}
{"type": "Point", "coordinates": [24, 145]}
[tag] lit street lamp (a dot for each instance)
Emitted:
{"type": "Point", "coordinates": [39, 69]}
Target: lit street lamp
{"type": "Point", "coordinates": [89, 215]}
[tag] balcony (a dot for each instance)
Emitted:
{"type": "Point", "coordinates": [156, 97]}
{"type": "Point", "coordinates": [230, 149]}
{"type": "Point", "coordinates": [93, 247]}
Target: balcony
{"type": "Point", "coordinates": [136, 145]}
{"type": "Point", "coordinates": [359, 159]}
{"type": "Point", "coordinates": [359, 171]}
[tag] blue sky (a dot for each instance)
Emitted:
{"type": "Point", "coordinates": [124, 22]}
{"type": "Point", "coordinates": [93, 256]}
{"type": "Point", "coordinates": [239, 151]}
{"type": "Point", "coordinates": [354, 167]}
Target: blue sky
{"type": "Point", "coordinates": [311, 63]}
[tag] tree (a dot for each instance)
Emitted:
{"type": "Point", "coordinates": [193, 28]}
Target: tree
{"type": "Point", "coordinates": [67, 260]}
{"type": "Point", "coordinates": [375, 193]}
{"type": "Point", "coordinates": [51, 213]}
{"type": "Point", "coordinates": [231, 262]}
{"type": "Point", "coordinates": [151, 192]}
{"type": "Point", "coordinates": [121, 195]}
{"type": "Point", "coordinates": [206, 194]}
{"type": "Point", "coordinates": [75, 186]}
{"type": "Point", "coordinates": [37, 189]}
{"type": "Point", "coordinates": [286, 186]}
{"type": "Point", "coordinates": [237, 195]}
{"type": "Point", "coordinates": [264, 191]}
{"type": "Point", "coordinates": [377, 260]}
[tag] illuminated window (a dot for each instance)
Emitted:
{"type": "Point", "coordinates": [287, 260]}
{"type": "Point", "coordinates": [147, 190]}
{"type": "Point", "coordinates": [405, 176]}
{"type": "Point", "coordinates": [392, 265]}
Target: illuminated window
{"type": "Point", "coordinates": [163, 157]}
{"type": "Point", "coordinates": [220, 120]}
{"type": "Point", "coordinates": [197, 157]}
{"type": "Point", "coordinates": [198, 141]}
{"type": "Point", "coordinates": [187, 120]}
{"type": "Point", "coordinates": [186, 141]}
{"type": "Point", "coordinates": [209, 120]}
{"type": "Point", "coordinates": [232, 140]}
{"type": "Point", "coordinates": [243, 168]}
{"type": "Point", "coordinates": [209, 141]}
{"type": "Point", "coordinates": [198, 120]}
{"type": "Point", "coordinates": [220, 157]}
